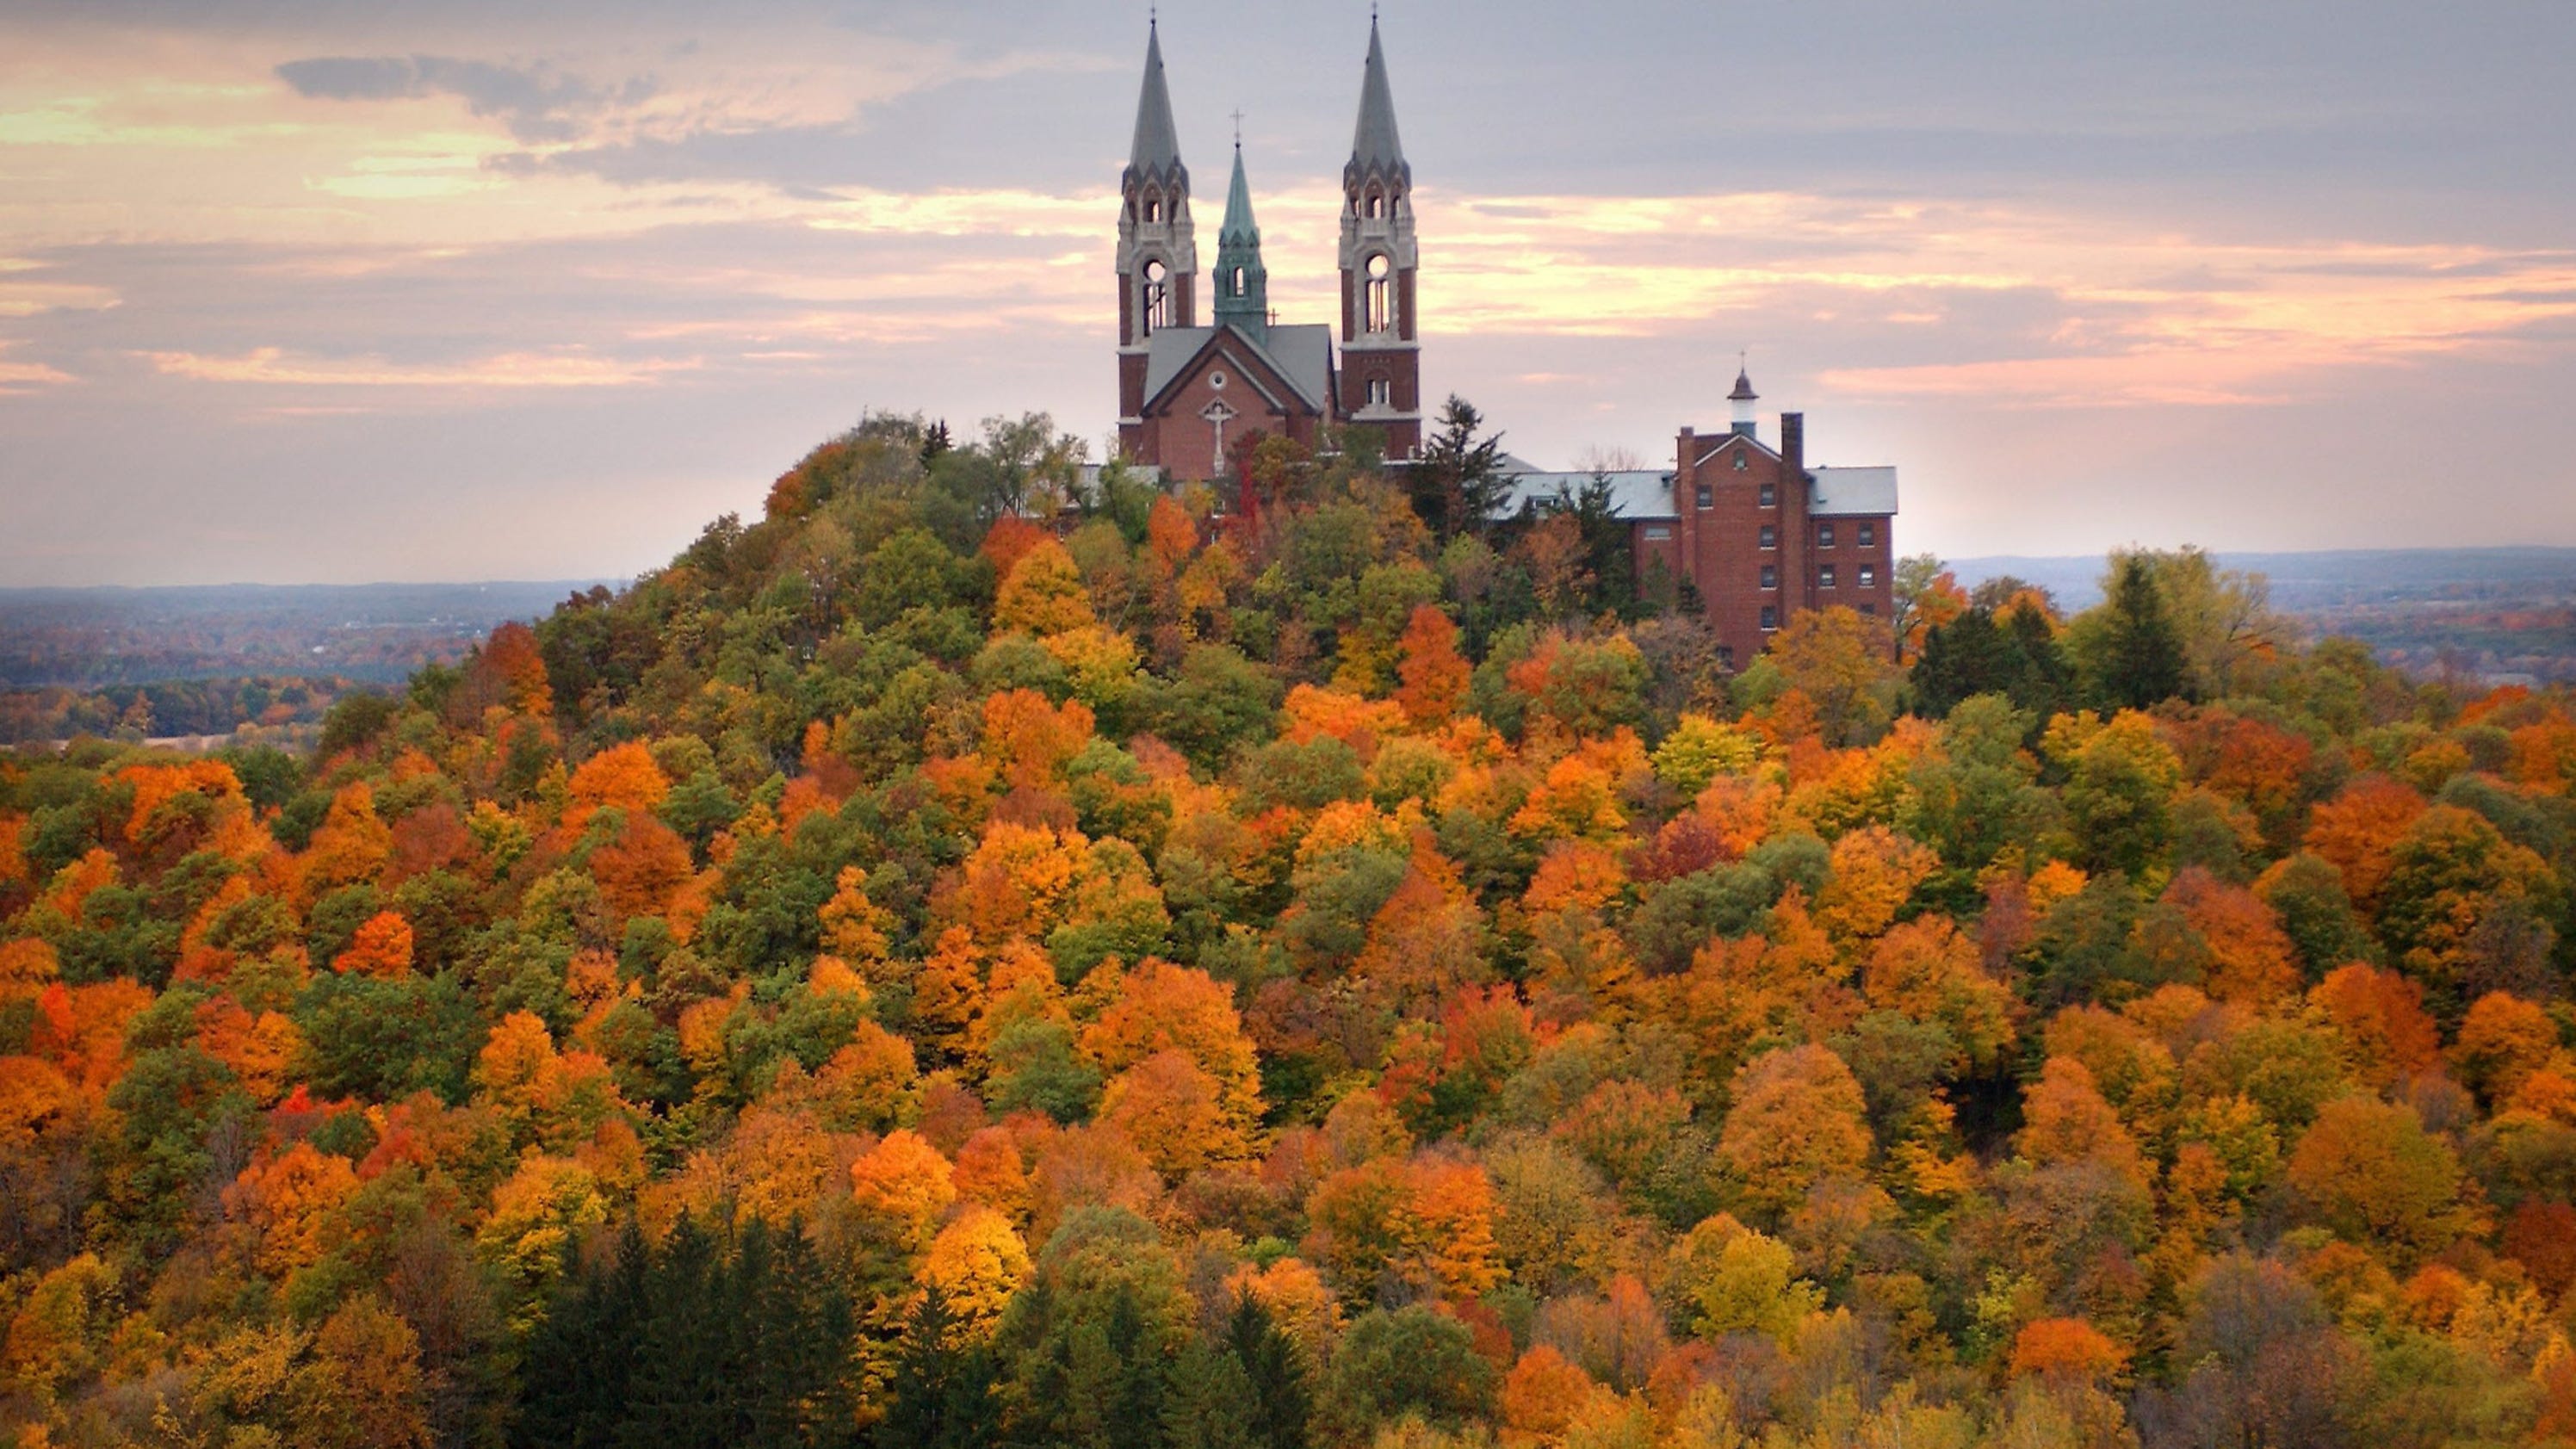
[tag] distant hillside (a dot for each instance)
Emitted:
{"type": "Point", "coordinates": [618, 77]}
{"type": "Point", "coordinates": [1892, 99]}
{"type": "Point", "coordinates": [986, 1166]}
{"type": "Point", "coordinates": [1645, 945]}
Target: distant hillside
{"type": "Point", "coordinates": [2330, 578]}
{"type": "Point", "coordinates": [91, 638]}
{"type": "Point", "coordinates": [2505, 614]}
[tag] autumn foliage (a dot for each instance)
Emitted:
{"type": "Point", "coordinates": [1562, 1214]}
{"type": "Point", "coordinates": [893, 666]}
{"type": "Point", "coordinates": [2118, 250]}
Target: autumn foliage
{"type": "Point", "coordinates": [994, 954]}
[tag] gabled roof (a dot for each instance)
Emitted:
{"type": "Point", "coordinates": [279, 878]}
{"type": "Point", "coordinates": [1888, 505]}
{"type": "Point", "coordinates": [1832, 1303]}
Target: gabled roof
{"type": "Point", "coordinates": [1157, 148]}
{"type": "Point", "coordinates": [1639, 493]}
{"type": "Point", "coordinates": [1300, 356]}
{"type": "Point", "coordinates": [1718, 442]}
{"type": "Point", "coordinates": [1843, 492]}
{"type": "Point", "coordinates": [1374, 145]}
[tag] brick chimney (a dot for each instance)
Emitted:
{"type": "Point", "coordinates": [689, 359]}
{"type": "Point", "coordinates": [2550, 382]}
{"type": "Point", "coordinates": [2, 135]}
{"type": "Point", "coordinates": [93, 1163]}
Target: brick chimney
{"type": "Point", "coordinates": [1797, 570]}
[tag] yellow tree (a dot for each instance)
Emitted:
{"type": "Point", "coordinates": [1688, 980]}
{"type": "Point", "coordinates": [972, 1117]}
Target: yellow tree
{"type": "Point", "coordinates": [1797, 1119]}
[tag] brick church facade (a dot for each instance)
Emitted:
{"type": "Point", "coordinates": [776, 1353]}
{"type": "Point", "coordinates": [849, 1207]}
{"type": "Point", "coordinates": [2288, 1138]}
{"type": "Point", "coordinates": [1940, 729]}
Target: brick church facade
{"type": "Point", "coordinates": [1750, 527]}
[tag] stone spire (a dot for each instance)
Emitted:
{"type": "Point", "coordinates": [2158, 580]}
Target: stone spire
{"type": "Point", "coordinates": [1374, 146]}
{"type": "Point", "coordinates": [1156, 154]}
{"type": "Point", "coordinates": [1242, 283]}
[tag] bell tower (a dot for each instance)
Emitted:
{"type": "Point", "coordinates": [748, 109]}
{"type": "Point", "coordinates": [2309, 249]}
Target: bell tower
{"type": "Point", "coordinates": [1381, 373]}
{"type": "Point", "coordinates": [1242, 283]}
{"type": "Point", "coordinates": [1158, 258]}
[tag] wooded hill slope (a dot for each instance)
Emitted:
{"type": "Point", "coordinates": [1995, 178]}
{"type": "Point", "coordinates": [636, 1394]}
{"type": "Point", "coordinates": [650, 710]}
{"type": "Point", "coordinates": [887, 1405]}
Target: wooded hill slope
{"type": "Point", "coordinates": [959, 961]}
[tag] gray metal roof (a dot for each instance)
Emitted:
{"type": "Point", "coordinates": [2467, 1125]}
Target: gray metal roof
{"type": "Point", "coordinates": [1157, 148]}
{"type": "Point", "coordinates": [1634, 493]}
{"type": "Point", "coordinates": [1648, 494]}
{"type": "Point", "coordinates": [1846, 491]}
{"type": "Point", "coordinates": [1374, 145]}
{"type": "Point", "coordinates": [1302, 353]}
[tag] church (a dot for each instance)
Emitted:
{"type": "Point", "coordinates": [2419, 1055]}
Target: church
{"type": "Point", "coordinates": [1189, 394]}
{"type": "Point", "coordinates": [1748, 528]}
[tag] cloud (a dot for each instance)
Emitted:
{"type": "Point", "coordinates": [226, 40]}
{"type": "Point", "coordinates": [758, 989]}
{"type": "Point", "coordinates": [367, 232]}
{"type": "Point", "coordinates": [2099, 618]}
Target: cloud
{"type": "Point", "coordinates": [24, 377]}
{"type": "Point", "coordinates": [537, 105]}
{"type": "Point", "coordinates": [271, 365]}
{"type": "Point", "coordinates": [24, 296]}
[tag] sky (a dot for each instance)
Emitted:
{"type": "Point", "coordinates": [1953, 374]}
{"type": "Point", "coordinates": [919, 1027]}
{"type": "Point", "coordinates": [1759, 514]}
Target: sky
{"type": "Point", "coordinates": [465, 289]}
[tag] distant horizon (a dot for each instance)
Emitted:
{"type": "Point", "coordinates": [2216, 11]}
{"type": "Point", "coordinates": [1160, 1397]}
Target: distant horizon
{"type": "Point", "coordinates": [1995, 560]}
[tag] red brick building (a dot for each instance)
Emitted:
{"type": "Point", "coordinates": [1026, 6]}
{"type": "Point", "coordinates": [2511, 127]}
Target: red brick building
{"type": "Point", "coordinates": [1750, 528]}
{"type": "Point", "coordinates": [1189, 395]}
{"type": "Point", "coordinates": [1747, 527]}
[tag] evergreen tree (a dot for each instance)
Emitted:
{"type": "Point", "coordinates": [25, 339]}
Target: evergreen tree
{"type": "Point", "coordinates": [1211, 1404]}
{"type": "Point", "coordinates": [2141, 663]}
{"type": "Point", "coordinates": [1459, 479]}
{"type": "Point", "coordinates": [942, 1388]}
{"type": "Point", "coordinates": [1966, 657]}
{"type": "Point", "coordinates": [2044, 682]}
{"type": "Point", "coordinates": [1274, 1373]}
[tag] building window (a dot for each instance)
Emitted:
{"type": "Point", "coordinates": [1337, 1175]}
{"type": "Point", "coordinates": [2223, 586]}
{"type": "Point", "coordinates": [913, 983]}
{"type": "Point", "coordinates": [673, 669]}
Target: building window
{"type": "Point", "coordinates": [1770, 536]}
{"type": "Point", "coordinates": [1656, 532]}
{"type": "Point", "coordinates": [1153, 209]}
{"type": "Point", "coordinates": [1741, 466]}
{"type": "Point", "coordinates": [1868, 534]}
{"type": "Point", "coordinates": [1770, 576]}
{"type": "Point", "coordinates": [1770, 495]}
{"type": "Point", "coordinates": [1158, 298]}
{"type": "Point", "coordinates": [1376, 206]}
{"type": "Point", "coordinates": [1704, 496]}
{"type": "Point", "coordinates": [1824, 535]}
{"type": "Point", "coordinates": [1770, 617]}
{"type": "Point", "coordinates": [1381, 316]}
{"type": "Point", "coordinates": [1381, 393]}
{"type": "Point", "coordinates": [1871, 610]}
{"type": "Point", "coordinates": [1217, 380]}
{"type": "Point", "coordinates": [1234, 283]}
{"type": "Point", "coordinates": [1868, 577]}
{"type": "Point", "coordinates": [1825, 577]}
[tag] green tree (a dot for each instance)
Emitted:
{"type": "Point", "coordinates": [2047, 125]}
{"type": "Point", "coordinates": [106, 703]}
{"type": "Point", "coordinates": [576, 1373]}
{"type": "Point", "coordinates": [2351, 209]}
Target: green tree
{"type": "Point", "coordinates": [2128, 650]}
{"type": "Point", "coordinates": [1414, 1360]}
{"type": "Point", "coordinates": [1459, 480]}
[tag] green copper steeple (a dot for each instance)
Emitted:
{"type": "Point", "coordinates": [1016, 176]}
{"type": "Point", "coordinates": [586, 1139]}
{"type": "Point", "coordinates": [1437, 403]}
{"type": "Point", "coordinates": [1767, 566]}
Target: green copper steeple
{"type": "Point", "coordinates": [1242, 283]}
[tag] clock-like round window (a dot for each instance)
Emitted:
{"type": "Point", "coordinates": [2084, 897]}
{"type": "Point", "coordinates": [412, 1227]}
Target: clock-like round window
{"type": "Point", "coordinates": [1217, 380]}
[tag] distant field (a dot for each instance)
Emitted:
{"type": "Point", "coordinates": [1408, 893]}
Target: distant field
{"type": "Point", "coordinates": [2505, 614]}
{"type": "Point", "coordinates": [203, 661]}
{"type": "Point", "coordinates": [87, 638]}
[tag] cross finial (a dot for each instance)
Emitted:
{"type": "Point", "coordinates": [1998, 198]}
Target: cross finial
{"type": "Point", "coordinates": [1238, 128]}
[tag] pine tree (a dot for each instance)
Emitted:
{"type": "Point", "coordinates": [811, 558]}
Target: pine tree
{"type": "Point", "coordinates": [1275, 1373]}
{"type": "Point", "coordinates": [942, 1388]}
{"type": "Point", "coordinates": [2142, 663]}
{"type": "Point", "coordinates": [1211, 1404]}
{"type": "Point", "coordinates": [1460, 478]}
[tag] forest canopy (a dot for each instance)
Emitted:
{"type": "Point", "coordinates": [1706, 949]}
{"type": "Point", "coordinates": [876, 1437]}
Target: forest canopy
{"type": "Point", "coordinates": [989, 953]}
